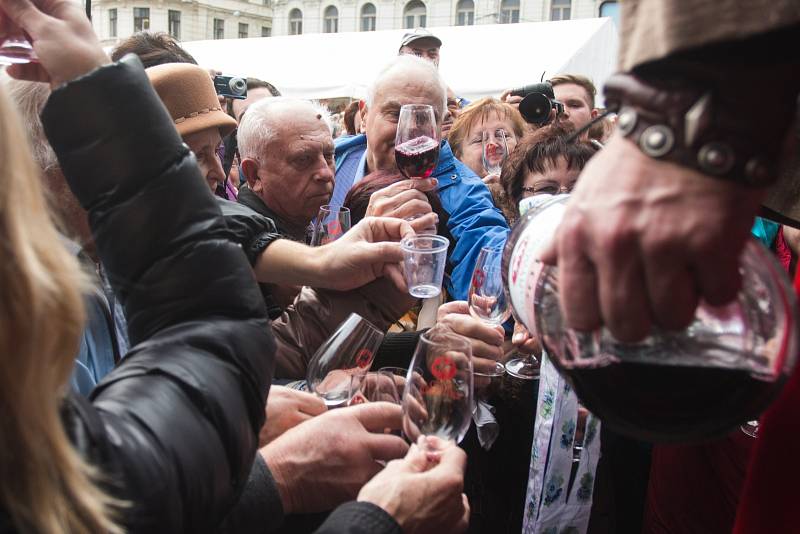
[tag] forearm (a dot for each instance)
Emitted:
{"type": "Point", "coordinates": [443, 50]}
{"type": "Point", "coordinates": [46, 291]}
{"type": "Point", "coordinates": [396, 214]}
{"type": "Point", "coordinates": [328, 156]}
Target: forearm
{"type": "Point", "coordinates": [259, 509]}
{"type": "Point", "coordinates": [288, 263]}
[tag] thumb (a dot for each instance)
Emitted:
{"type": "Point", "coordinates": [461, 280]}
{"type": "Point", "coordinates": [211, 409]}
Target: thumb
{"type": "Point", "coordinates": [416, 460]}
{"type": "Point", "coordinates": [456, 306]}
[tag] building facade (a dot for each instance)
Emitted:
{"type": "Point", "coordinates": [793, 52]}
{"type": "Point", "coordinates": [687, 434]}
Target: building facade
{"type": "Point", "coordinates": [186, 20]}
{"type": "Point", "coordinates": [293, 17]}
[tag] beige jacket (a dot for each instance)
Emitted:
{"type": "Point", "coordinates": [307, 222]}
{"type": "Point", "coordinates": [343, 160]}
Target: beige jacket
{"type": "Point", "coordinates": [316, 313]}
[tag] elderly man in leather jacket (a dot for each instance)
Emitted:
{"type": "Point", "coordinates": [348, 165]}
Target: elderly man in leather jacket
{"type": "Point", "coordinates": [201, 343]}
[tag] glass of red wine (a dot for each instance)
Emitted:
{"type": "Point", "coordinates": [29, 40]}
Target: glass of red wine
{"type": "Point", "coordinates": [416, 144]}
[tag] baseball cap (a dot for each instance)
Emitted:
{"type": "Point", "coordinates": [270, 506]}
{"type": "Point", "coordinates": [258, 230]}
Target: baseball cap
{"type": "Point", "coordinates": [419, 33]}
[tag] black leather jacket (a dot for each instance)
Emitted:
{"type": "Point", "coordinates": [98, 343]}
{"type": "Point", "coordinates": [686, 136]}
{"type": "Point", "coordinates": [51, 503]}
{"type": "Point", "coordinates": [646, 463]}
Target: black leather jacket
{"type": "Point", "coordinates": [174, 428]}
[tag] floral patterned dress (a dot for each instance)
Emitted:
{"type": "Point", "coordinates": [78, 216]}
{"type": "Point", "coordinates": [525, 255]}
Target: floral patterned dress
{"type": "Point", "coordinates": [551, 505]}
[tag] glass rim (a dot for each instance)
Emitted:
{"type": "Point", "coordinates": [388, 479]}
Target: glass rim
{"type": "Point", "coordinates": [416, 106]}
{"type": "Point", "coordinates": [329, 209]}
{"type": "Point", "coordinates": [408, 244]}
{"type": "Point", "coordinates": [363, 321]}
{"type": "Point", "coordinates": [435, 335]}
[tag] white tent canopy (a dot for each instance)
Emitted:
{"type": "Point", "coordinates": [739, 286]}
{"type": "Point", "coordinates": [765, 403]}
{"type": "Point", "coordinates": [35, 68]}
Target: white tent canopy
{"type": "Point", "coordinates": [475, 60]}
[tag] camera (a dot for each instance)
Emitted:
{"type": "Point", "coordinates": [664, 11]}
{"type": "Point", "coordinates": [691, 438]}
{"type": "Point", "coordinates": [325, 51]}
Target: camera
{"type": "Point", "coordinates": [538, 99]}
{"type": "Point", "coordinates": [231, 86]}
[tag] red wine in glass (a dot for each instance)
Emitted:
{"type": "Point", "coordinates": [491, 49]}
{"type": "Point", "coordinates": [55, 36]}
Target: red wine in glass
{"type": "Point", "coordinates": [417, 158]}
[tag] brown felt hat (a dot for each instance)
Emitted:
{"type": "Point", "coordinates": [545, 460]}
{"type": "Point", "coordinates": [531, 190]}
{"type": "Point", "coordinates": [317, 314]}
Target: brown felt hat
{"type": "Point", "coordinates": [188, 94]}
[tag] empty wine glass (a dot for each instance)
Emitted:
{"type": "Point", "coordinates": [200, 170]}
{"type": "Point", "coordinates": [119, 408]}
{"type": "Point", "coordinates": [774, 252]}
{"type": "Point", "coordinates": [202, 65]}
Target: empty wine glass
{"type": "Point", "coordinates": [330, 225]}
{"type": "Point", "coordinates": [416, 143]}
{"type": "Point", "coordinates": [341, 362]}
{"type": "Point", "coordinates": [487, 296]}
{"type": "Point", "coordinates": [495, 150]}
{"type": "Point", "coordinates": [386, 385]}
{"type": "Point", "coordinates": [437, 399]}
{"type": "Point", "coordinates": [14, 46]}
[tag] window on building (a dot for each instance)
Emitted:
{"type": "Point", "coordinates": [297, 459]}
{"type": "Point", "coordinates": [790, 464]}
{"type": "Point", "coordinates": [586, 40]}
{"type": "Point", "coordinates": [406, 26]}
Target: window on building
{"type": "Point", "coordinates": [244, 29]}
{"type": "Point", "coordinates": [465, 13]}
{"type": "Point", "coordinates": [219, 29]}
{"type": "Point", "coordinates": [610, 9]}
{"type": "Point", "coordinates": [560, 9]}
{"type": "Point", "coordinates": [174, 19]}
{"type": "Point", "coordinates": [368, 18]}
{"type": "Point", "coordinates": [331, 20]}
{"type": "Point", "coordinates": [295, 22]}
{"type": "Point", "coordinates": [268, 3]}
{"type": "Point", "coordinates": [266, 31]}
{"type": "Point", "coordinates": [112, 22]}
{"type": "Point", "coordinates": [141, 19]}
{"type": "Point", "coordinates": [415, 14]}
{"type": "Point", "coordinates": [509, 11]}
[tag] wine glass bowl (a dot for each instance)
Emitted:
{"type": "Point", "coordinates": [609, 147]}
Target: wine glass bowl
{"type": "Point", "coordinates": [331, 224]}
{"type": "Point", "coordinates": [437, 399]}
{"type": "Point", "coordinates": [416, 146]}
{"type": "Point", "coordinates": [338, 367]}
{"type": "Point", "coordinates": [487, 297]}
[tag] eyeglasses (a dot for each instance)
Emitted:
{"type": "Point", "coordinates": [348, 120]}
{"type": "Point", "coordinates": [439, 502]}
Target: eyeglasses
{"type": "Point", "coordinates": [547, 189]}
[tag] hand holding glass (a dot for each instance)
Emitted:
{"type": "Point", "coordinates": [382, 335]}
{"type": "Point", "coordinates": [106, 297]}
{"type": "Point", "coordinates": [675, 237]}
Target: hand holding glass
{"type": "Point", "coordinates": [437, 400]}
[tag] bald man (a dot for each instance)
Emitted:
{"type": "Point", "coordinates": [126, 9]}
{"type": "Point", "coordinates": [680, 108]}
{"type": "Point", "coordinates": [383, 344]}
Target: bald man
{"type": "Point", "coordinates": [473, 221]}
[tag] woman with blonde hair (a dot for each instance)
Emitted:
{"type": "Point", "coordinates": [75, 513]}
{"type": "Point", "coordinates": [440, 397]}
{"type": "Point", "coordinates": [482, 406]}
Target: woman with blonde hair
{"type": "Point", "coordinates": [167, 440]}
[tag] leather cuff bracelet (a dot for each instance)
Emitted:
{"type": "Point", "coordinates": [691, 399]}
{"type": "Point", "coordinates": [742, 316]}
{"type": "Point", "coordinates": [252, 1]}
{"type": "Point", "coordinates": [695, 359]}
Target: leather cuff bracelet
{"type": "Point", "coordinates": [683, 125]}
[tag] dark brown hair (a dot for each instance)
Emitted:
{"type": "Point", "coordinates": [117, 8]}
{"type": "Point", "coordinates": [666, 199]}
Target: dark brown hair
{"type": "Point", "coordinates": [255, 83]}
{"type": "Point", "coordinates": [350, 118]}
{"type": "Point", "coordinates": [153, 49]}
{"type": "Point", "coordinates": [539, 150]}
{"type": "Point", "coordinates": [579, 80]}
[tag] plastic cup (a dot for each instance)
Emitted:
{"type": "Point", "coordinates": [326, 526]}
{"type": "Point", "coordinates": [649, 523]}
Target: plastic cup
{"type": "Point", "coordinates": [424, 258]}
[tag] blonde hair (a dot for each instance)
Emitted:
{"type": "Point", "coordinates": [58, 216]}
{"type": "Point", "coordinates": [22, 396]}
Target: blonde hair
{"type": "Point", "coordinates": [478, 112]}
{"type": "Point", "coordinates": [44, 484]}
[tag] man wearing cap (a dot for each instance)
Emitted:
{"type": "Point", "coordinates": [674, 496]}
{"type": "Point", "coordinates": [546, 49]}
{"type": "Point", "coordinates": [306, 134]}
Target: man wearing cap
{"type": "Point", "coordinates": [421, 43]}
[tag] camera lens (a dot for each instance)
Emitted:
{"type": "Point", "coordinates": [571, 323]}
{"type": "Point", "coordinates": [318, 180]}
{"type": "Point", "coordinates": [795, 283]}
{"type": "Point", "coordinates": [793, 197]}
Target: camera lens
{"type": "Point", "coordinates": [535, 108]}
{"type": "Point", "coordinates": [238, 86]}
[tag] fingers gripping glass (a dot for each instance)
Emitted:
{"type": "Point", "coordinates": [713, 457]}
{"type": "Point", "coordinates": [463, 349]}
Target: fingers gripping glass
{"type": "Point", "coordinates": [14, 44]}
{"type": "Point", "coordinates": [416, 144]}
{"type": "Point", "coordinates": [338, 367]}
{"type": "Point", "coordinates": [437, 399]}
{"type": "Point", "coordinates": [424, 259]}
{"type": "Point", "coordinates": [495, 150]}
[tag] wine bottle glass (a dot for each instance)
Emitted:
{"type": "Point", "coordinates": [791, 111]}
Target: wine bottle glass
{"type": "Point", "coordinates": [331, 224]}
{"type": "Point", "coordinates": [337, 368]}
{"type": "Point", "coordinates": [14, 46]}
{"type": "Point", "coordinates": [495, 150]}
{"type": "Point", "coordinates": [437, 399]}
{"type": "Point", "coordinates": [416, 144]}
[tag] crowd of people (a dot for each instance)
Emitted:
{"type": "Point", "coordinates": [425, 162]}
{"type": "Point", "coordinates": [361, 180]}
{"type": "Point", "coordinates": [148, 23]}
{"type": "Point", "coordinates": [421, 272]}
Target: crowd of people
{"type": "Point", "coordinates": [160, 304]}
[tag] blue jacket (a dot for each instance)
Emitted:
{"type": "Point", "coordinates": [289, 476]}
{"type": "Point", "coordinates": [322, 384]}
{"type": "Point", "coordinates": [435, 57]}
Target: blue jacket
{"type": "Point", "coordinates": [473, 221]}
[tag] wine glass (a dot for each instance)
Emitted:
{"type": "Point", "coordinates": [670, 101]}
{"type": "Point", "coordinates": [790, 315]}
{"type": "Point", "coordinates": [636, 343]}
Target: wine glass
{"type": "Point", "coordinates": [341, 362]}
{"type": "Point", "coordinates": [386, 385]}
{"type": "Point", "coordinates": [14, 46]}
{"type": "Point", "coordinates": [330, 225]}
{"type": "Point", "coordinates": [487, 296]}
{"type": "Point", "coordinates": [495, 150]}
{"type": "Point", "coordinates": [416, 144]}
{"type": "Point", "coordinates": [437, 399]}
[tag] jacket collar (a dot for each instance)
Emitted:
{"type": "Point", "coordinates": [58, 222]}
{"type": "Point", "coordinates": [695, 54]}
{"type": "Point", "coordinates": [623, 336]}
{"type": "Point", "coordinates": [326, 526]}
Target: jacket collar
{"type": "Point", "coordinates": [248, 198]}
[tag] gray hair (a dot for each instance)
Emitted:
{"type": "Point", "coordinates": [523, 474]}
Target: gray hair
{"type": "Point", "coordinates": [423, 68]}
{"type": "Point", "coordinates": [257, 128]}
{"type": "Point", "coordinates": [30, 98]}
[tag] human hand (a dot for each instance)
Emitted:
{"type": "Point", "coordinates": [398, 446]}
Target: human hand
{"type": "Point", "coordinates": [423, 493]}
{"type": "Point", "coordinates": [643, 240]}
{"type": "Point", "coordinates": [61, 36]}
{"type": "Point", "coordinates": [486, 341]}
{"type": "Point", "coordinates": [325, 461]}
{"type": "Point", "coordinates": [403, 200]}
{"type": "Point", "coordinates": [368, 251]}
{"type": "Point", "coordinates": [287, 408]}
{"type": "Point", "coordinates": [525, 342]}
{"type": "Point", "coordinates": [508, 98]}
{"type": "Point", "coordinates": [491, 179]}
